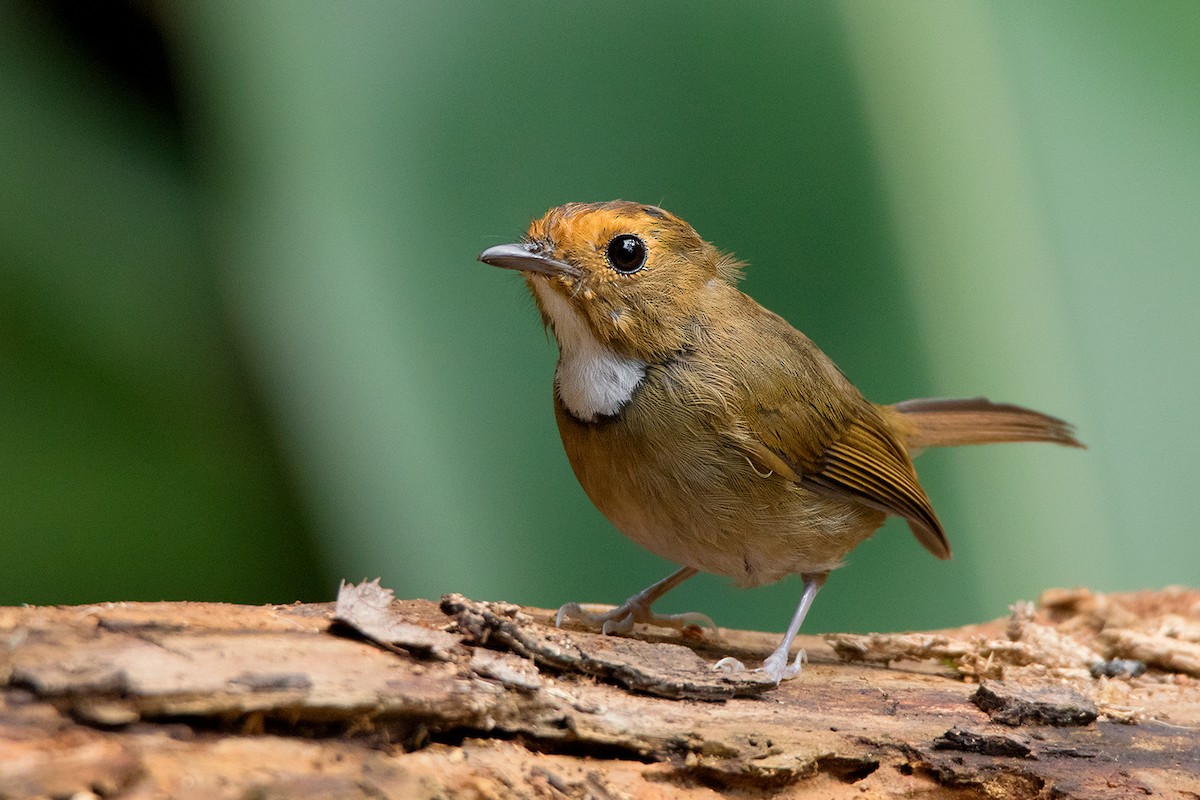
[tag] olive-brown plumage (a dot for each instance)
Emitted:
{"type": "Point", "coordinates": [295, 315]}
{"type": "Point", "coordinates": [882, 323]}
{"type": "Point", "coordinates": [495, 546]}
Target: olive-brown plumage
{"type": "Point", "coordinates": [708, 429]}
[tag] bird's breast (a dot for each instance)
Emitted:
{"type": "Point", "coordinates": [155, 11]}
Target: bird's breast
{"type": "Point", "coordinates": [668, 475]}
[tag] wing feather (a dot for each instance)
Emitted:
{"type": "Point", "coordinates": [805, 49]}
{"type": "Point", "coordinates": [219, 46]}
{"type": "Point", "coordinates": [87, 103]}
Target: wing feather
{"type": "Point", "coordinates": [792, 413]}
{"type": "Point", "coordinates": [867, 464]}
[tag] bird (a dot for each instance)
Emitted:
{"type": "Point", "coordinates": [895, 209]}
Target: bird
{"type": "Point", "coordinates": [710, 431]}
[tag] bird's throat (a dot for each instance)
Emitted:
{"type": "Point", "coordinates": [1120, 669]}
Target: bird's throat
{"type": "Point", "coordinates": [592, 380]}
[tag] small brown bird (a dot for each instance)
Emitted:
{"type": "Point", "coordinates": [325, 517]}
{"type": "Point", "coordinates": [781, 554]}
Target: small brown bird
{"type": "Point", "coordinates": [709, 430]}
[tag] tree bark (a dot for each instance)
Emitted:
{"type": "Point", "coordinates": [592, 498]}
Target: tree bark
{"type": "Point", "coordinates": [1084, 695]}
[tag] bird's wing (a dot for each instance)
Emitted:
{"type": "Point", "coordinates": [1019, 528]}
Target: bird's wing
{"type": "Point", "coordinates": [867, 464]}
{"type": "Point", "coordinates": [813, 427]}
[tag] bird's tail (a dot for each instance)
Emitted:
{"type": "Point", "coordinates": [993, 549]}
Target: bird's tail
{"type": "Point", "coordinates": [977, 420]}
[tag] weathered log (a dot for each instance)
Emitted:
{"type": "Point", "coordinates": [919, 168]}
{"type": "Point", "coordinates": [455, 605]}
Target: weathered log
{"type": "Point", "coordinates": [1085, 695]}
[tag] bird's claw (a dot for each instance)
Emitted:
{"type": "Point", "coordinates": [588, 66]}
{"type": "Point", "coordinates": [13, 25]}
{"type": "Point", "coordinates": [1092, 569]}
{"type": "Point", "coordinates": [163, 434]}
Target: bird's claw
{"type": "Point", "coordinates": [776, 666]}
{"type": "Point", "coordinates": [779, 669]}
{"type": "Point", "coordinates": [622, 618]}
{"type": "Point", "coordinates": [615, 620]}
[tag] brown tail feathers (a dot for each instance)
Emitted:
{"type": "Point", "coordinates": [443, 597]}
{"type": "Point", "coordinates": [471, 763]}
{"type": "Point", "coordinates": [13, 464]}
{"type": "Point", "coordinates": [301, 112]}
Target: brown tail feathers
{"type": "Point", "coordinates": [977, 420]}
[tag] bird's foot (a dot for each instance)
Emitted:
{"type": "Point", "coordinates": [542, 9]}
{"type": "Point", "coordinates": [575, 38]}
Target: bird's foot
{"type": "Point", "coordinates": [622, 618]}
{"type": "Point", "coordinates": [776, 665]}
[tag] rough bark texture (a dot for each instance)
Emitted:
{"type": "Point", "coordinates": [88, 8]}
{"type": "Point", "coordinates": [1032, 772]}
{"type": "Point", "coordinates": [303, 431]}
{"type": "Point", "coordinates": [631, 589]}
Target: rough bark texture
{"type": "Point", "coordinates": [1083, 696]}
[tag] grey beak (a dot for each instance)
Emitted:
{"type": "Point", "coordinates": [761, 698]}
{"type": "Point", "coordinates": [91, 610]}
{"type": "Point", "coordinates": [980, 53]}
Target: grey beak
{"type": "Point", "coordinates": [526, 257]}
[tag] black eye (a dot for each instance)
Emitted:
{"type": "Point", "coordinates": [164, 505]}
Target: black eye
{"type": "Point", "coordinates": [626, 253]}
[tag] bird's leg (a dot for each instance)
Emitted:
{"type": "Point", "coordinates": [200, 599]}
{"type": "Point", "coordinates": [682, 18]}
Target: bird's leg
{"type": "Point", "coordinates": [637, 609]}
{"type": "Point", "coordinates": [776, 665]}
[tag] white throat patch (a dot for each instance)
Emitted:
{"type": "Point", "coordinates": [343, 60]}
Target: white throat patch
{"type": "Point", "coordinates": [592, 380]}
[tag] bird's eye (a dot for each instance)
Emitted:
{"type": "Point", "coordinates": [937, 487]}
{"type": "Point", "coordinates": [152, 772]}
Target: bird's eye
{"type": "Point", "coordinates": [626, 253]}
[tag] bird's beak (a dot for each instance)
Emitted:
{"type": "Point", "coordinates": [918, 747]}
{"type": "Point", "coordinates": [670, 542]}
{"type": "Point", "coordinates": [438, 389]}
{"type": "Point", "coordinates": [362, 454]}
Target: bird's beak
{"type": "Point", "coordinates": [526, 257]}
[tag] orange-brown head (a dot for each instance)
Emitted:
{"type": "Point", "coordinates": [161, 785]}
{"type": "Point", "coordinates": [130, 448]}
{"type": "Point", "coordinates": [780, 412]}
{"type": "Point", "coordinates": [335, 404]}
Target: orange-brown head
{"type": "Point", "coordinates": [630, 275]}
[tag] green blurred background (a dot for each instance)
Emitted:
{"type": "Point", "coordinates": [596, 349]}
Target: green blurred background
{"type": "Point", "coordinates": [246, 349]}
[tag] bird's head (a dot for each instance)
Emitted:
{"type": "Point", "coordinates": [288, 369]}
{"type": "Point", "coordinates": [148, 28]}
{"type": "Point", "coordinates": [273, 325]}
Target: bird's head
{"type": "Point", "coordinates": [632, 276]}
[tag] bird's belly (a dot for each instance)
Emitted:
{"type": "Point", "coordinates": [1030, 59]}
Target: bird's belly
{"type": "Point", "coordinates": [683, 493]}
